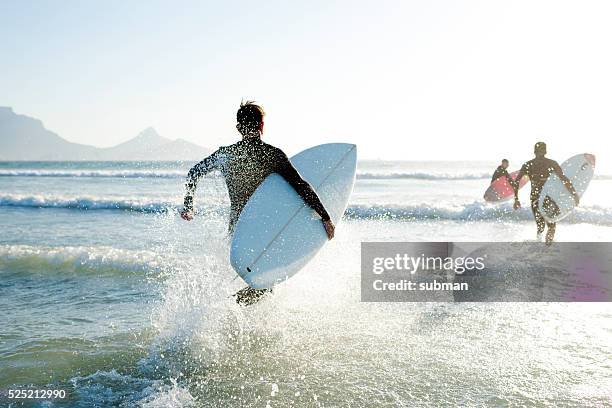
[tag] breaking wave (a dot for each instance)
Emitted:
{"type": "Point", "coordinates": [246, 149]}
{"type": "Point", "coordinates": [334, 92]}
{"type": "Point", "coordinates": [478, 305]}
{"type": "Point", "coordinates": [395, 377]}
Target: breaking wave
{"type": "Point", "coordinates": [422, 176]}
{"type": "Point", "coordinates": [182, 173]}
{"type": "Point", "coordinates": [470, 212]}
{"type": "Point", "coordinates": [96, 173]}
{"type": "Point", "coordinates": [123, 390]}
{"type": "Point", "coordinates": [475, 211]}
{"type": "Point", "coordinates": [86, 203]}
{"type": "Point", "coordinates": [440, 176]}
{"type": "Point", "coordinates": [80, 259]}
{"type": "Point", "coordinates": [171, 174]}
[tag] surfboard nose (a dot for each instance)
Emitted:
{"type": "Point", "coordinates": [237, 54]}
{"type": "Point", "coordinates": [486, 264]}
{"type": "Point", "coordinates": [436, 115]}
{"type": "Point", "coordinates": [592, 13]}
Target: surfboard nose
{"type": "Point", "coordinates": [590, 158]}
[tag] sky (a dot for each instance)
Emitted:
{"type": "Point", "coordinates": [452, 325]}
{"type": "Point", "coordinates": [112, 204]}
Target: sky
{"type": "Point", "coordinates": [411, 80]}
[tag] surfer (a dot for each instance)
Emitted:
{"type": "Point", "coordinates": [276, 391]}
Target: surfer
{"type": "Point", "coordinates": [538, 170]}
{"type": "Point", "coordinates": [244, 165]}
{"type": "Point", "coordinates": [502, 171]}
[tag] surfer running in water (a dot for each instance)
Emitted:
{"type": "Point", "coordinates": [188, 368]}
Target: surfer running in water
{"type": "Point", "coordinates": [244, 166]}
{"type": "Point", "coordinates": [538, 170]}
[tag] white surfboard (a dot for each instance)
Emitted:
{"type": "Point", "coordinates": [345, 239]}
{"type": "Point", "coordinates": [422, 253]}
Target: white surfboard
{"type": "Point", "coordinates": [277, 233]}
{"type": "Point", "coordinates": [556, 202]}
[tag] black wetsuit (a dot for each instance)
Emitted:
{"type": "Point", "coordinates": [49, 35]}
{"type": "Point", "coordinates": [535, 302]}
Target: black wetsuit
{"type": "Point", "coordinates": [538, 170]}
{"type": "Point", "coordinates": [500, 172]}
{"type": "Point", "coordinates": [245, 165]}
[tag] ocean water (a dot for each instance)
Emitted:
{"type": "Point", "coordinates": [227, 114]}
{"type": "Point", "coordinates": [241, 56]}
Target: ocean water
{"type": "Point", "coordinates": [105, 292]}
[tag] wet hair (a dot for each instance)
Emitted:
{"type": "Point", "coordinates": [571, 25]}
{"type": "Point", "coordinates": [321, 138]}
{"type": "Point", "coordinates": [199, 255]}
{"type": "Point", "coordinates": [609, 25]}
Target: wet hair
{"type": "Point", "coordinates": [539, 147]}
{"type": "Point", "coordinates": [505, 161]}
{"type": "Point", "coordinates": [249, 117]}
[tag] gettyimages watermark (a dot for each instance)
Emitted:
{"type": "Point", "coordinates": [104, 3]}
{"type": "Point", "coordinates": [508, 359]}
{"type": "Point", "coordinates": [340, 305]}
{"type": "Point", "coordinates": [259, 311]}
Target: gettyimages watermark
{"type": "Point", "coordinates": [486, 272]}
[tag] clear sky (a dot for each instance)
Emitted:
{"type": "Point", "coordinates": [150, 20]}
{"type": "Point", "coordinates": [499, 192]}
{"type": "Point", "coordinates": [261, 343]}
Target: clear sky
{"type": "Point", "coordinates": [404, 80]}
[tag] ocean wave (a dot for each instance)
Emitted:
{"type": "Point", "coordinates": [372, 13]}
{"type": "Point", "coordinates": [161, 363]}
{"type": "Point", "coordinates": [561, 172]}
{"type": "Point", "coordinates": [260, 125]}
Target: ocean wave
{"type": "Point", "coordinates": [475, 211]}
{"type": "Point", "coordinates": [178, 174]}
{"type": "Point", "coordinates": [86, 203]}
{"type": "Point", "coordinates": [127, 390]}
{"type": "Point", "coordinates": [183, 173]}
{"type": "Point", "coordinates": [440, 176]}
{"type": "Point", "coordinates": [422, 176]}
{"type": "Point", "coordinates": [78, 259]}
{"type": "Point", "coordinates": [95, 173]}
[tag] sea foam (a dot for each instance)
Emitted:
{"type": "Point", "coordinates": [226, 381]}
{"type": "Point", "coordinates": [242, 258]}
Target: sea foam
{"type": "Point", "coordinates": [78, 259]}
{"type": "Point", "coordinates": [474, 211]}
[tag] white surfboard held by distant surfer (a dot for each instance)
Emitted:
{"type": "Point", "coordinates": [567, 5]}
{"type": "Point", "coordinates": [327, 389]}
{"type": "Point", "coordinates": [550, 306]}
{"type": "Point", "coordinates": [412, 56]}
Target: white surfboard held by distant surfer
{"type": "Point", "coordinates": [556, 202]}
{"type": "Point", "coordinates": [277, 233]}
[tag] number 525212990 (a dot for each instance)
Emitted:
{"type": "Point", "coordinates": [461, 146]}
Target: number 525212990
{"type": "Point", "coordinates": [36, 394]}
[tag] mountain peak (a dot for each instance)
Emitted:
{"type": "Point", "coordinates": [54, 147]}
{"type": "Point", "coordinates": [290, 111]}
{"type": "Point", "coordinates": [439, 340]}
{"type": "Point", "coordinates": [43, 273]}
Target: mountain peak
{"type": "Point", "coordinates": [148, 132]}
{"type": "Point", "coordinates": [149, 136]}
{"type": "Point", "coordinates": [146, 140]}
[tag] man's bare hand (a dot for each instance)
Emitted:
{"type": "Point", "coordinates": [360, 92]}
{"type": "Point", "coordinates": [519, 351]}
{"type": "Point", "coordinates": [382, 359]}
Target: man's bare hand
{"type": "Point", "coordinates": [330, 228]}
{"type": "Point", "coordinates": [187, 215]}
{"type": "Point", "coordinates": [517, 204]}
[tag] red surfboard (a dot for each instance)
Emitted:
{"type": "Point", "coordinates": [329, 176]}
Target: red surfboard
{"type": "Point", "coordinates": [501, 190]}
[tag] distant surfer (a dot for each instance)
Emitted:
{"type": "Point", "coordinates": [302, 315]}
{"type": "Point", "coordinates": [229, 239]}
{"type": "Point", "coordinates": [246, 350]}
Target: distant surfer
{"type": "Point", "coordinates": [538, 170]}
{"type": "Point", "coordinates": [502, 171]}
{"type": "Point", "coordinates": [244, 165]}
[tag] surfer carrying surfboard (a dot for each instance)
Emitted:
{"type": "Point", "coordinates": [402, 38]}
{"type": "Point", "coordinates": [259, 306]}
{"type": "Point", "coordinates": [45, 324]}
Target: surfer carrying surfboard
{"type": "Point", "coordinates": [538, 170]}
{"type": "Point", "coordinates": [244, 165]}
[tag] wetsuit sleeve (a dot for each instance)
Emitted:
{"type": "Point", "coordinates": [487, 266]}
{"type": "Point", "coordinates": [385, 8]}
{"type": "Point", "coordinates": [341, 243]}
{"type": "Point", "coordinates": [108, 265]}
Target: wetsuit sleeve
{"type": "Point", "coordinates": [515, 185]}
{"type": "Point", "coordinates": [500, 172]}
{"type": "Point", "coordinates": [509, 178]}
{"type": "Point", "coordinates": [194, 175]}
{"type": "Point", "coordinates": [566, 182]}
{"type": "Point", "coordinates": [301, 186]}
{"type": "Point", "coordinates": [495, 175]}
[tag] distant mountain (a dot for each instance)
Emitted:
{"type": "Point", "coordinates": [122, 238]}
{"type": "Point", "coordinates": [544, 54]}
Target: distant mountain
{"type": "Point", "coordinates": [146, 141]}
{"type": "Point", "coordinates": [149, 145]}
{"type": "Point", "coordinates": [26, 138]}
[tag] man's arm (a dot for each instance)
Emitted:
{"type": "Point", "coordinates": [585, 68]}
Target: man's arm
{"type": "Point", "coordinates": [498, 173]}
{"type": "Point", "coordinates": [301, 186]}
{"type": "Point", "coordinates": [566, 182]}
{"type": "Point", "coordinates": [516, 183]}
{"type": "Point", "coordinates": [194, 175]}
{"type": "Point", "coordinates": [495, 175]}
{"type": "Point", "coordinates": [508, 177]}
